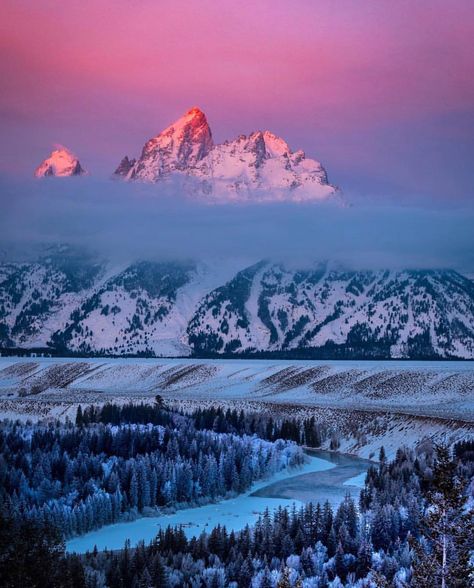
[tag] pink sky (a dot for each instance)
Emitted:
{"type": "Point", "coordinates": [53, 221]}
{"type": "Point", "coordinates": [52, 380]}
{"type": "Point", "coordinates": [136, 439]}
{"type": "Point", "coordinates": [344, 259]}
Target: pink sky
{"type": "Point", "coordinates": [382, 92]}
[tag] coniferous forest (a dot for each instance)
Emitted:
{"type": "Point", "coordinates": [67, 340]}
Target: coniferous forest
{"type": "Point", "coordinates": [412, 524]}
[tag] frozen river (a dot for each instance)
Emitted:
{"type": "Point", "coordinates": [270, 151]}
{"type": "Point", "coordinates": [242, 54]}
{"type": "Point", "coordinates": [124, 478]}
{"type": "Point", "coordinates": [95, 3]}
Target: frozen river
{"type": "Point", "coordinates": [326, 476]}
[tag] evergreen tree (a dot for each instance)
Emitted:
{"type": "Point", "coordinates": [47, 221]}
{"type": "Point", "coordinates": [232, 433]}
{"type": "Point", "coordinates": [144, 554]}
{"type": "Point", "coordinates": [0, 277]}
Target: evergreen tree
{"type": "Point", "coordinates": [339, 563]}
{"type": "Point", "coordinates": [31, 554]}
{"type": "Point", "coordinates": [284, 581]}
{"type": "Point", "coordinates": [443, 560]}
{"type": "Point", "coordinates": [76, 572]}
{"type": "Point", "coordinates": [266, 580]}
{"type": "Point", "coordinates": [158, 573]}
{"type": "Point", "coordinates": [364, 559]}
{"type": "Point", "coordinates": [145, 579]}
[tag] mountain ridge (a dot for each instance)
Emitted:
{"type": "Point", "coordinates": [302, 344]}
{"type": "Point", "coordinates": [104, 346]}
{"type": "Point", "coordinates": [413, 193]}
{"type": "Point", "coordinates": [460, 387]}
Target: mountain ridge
{"type": "Point", "coordinates": [216, 309]}
{"type": "Point", "coordinates": [260, 166]}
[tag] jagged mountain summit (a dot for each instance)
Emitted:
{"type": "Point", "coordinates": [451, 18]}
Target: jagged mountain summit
{"type": "Point", "coordinates": [260, 166]}
{"type": "Point", "coordinates": [72, 303]}
{"type": "Point", "coordinates": [178, 148]}
{"type": "Point", "coordinates": [61, 163]}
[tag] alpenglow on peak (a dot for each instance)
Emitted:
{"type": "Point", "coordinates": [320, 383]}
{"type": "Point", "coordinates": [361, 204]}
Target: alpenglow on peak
{"type": "Point", "coordinates": [257, 167]}
{"type": "Point", "coordinates": [176, 149]}
{"type": "Point", "coordinates": [61, 163]}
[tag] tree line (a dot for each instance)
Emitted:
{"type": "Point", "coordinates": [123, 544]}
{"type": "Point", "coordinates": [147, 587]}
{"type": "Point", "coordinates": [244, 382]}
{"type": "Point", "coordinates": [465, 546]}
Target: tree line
{"type": "Point", "coordinates": [81, 477]}
{"type": "Point", "coordinates": [412, 525]}
{"type": "Point", "coordinates": [305, 431]}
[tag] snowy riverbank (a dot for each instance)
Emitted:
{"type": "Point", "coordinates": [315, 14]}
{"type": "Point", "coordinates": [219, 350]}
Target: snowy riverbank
{"type": "Point", "coordinates": [234, 513]}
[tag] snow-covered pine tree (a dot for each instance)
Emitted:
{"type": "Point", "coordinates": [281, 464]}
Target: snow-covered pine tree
{"type": "Point", "coordinates": [443, 559]}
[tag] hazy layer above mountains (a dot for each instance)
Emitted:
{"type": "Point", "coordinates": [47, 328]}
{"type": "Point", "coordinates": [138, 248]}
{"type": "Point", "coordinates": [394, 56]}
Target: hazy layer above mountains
{"type": "Point", "coordinates": [127, 222]}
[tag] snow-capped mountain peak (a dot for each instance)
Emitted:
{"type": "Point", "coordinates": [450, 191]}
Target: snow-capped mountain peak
{"type": "Point", "coordinates": [260, 166]}
{"type": "Point", "coordinates": [274, 146]}
{"type": "Point", "coordinates": [179, 147]}
{"type": "Point", "coordinates": [61, 163]}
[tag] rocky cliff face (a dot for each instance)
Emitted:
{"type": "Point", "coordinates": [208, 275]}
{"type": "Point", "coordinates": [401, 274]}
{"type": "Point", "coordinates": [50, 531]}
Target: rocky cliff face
{"type": "Point", "coordinates": [260, 166]}
{"type": "Point", "coordinates": [124, 167]}
{"type": "Point", "coordinates": [81, 305]}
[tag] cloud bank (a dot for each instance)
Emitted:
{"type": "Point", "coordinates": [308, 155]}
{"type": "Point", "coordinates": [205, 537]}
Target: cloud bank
{"type": "Point", "coordinates": [125, 221]}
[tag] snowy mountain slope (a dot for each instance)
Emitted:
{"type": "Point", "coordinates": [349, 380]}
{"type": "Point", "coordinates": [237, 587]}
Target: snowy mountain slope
{"type": "Point", "coordinates": [386, 314]}
{"type": "Point", "coordinates": [37, 298]}
{"type": "Point", "coordinates": [85, 306]}
{"type": "Point", "coordinates": [80, 304]}
{"type": "Point", "coordinates": [262, 166]}
{"type": "Point", "coordinates": [258, 167]}
{"type": "Point", "coordinates": [140, 310]}
{"type": "Point", "coordinates": [61, 163]}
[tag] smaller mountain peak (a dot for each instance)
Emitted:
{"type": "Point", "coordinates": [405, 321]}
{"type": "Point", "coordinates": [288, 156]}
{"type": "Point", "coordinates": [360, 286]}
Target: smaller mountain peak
{"type": "Point", "coordinates": [266, 145]}
{"type": "Point", "coordinates": [275, 144]}
{"type": "Point", "coordinates": [124, 166]}
{"type": "Point", "coordinates": [61, 163]}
